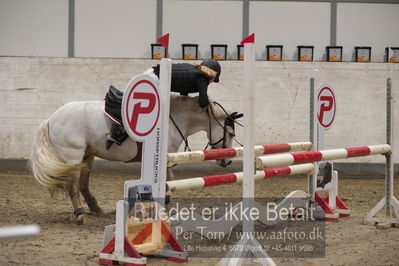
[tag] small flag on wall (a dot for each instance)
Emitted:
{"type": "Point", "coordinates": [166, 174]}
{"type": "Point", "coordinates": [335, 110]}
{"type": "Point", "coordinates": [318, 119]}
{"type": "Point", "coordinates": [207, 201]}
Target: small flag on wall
{"type": "Point", "coordinates": [164, 41]}
{"type": "Point", "coordinates": [249, 39]}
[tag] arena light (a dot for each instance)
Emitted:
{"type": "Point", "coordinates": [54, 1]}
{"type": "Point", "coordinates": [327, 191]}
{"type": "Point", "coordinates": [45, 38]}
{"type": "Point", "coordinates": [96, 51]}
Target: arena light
{"type": "Point", "coordinates": [219, 51]}
{"type": "Point", "coordinates": [392, 54]}
{"type": "Point", "coordinates": [305, 53]}
{"type": "Point", "coordinates": [274, 52]}
{"type": "Point", "coordinates": [362, 54]}
{"type": "Point", "coordinates": [190, 51]}
{"type": "Point", "coordinates": [240, 52]}
{"type": "Point", "coordinates": [334, 53]}
{"type": "Point", "coordinates": [157, 51]}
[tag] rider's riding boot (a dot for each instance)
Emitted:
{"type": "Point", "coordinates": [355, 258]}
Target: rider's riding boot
{"type": "Point", "coordinates": [118, 135]}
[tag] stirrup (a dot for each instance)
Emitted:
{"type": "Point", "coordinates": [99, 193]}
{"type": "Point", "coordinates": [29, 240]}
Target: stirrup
{"type": "Point", "coordinates": [110, 140]}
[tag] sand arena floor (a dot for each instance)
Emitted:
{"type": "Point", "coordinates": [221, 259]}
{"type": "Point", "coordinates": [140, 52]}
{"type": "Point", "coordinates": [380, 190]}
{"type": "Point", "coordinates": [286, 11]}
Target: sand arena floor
{"type": "Point", "coordinates": [63, 242]}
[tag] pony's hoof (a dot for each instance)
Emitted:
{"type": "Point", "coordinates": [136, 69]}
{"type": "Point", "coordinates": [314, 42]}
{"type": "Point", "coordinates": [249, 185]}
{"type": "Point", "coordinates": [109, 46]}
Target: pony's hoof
{"type": "Point", "coordinates": [98, 212]}
{"type": "Point", "coordinates": [82, 219]}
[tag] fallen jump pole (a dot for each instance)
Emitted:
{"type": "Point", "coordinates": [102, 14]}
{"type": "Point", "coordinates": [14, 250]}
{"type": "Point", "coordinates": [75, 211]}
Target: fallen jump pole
{"type": "Point", "coordinates": [218, 180]}
{"type": "Point", "coordinates": [216, 154]}
{"type": "Point", "coordinates": [317, 156]}
{"type": "Point", "coordinates": [19, 231]}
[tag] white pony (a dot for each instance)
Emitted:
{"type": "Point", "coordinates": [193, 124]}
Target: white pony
{"type": "Point", "coordinates": [67, 142]}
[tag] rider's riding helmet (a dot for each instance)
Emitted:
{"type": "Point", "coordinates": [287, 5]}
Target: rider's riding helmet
{"type": "Point", "coordinates": [214, 65]}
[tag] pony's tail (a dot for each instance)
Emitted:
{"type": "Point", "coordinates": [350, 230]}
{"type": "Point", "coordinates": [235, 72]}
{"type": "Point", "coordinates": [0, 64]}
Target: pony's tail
{"type": "Point", "coordinates": [47, 167]}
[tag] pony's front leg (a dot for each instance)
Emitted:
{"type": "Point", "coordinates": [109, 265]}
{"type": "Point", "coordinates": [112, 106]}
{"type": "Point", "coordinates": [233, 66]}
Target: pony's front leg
{"type": "Point", "coordinates": [74, 194]}
{"type": "Point", "coordinates": [84, 187]}
{"type": "Point", "coordinates": [169, 173]}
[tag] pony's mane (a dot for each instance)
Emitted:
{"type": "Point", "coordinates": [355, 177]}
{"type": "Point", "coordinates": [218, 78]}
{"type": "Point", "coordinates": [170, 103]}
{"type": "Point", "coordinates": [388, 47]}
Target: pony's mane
{"type": "Point", "coordinates": [177, 101]}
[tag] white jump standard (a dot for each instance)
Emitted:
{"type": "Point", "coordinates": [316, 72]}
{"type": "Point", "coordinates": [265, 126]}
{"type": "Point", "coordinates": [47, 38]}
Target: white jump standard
{"type": "Point", "coordinates": [323, 105]}
{"type": "Point", "coordinates": [149, 191]}
{"type": "Point", "coordinates": [389, 203]}
{"type": "Point", "coordinates": [237, 257]}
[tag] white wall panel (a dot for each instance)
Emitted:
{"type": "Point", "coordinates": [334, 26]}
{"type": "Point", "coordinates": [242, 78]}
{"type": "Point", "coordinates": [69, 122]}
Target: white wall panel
{"type": "Point", "coordinates": [203, 23]}
{"type": "Point", "coordinates": [34, 28]}
{"type": "Point", "coordinates": [126, 28]}
{"type": "Point", "coordinates": [374, 25]}
{"type": "Point", "coordinates": [290, 24]}
{"type": "Point", "coordinates": [282, 97]}
{"type": "Point", "coordinates": [121, 28]}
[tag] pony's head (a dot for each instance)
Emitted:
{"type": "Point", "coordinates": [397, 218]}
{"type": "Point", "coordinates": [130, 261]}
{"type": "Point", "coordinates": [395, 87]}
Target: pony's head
{"type": "Point", "coordinates": [189, 118]}
{"type": "Point", "coordinates": [221, 130]}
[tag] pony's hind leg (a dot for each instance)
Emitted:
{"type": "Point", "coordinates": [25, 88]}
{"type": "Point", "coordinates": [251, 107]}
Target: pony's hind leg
{"type": "Point", "coordinates": [84, 186]}
{"type": "Point", "coordinates": [74, 194]}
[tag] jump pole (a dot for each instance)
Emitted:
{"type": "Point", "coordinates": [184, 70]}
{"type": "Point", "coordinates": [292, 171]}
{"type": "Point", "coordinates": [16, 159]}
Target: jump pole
{"type": "Point", "coordinates": [19, 231]}
{"type": "Point", "coordinates": [216, 154]}
{"type": "Point", "coordinates": [329, 212]}
{"type": "Point", "coordinates": [218, 180]}
{"type": "Point", "coordinates": [317, 156]}
{"type": "Point", "coordinates": [238, 257]}
{"type": "Point", "coordinates": [224, 224]}
{"type": "Point", "coordinates": [388, 202]}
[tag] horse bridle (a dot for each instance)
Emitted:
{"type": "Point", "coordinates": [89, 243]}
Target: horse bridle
{"type": "Point", "coordinates": [185, 139]}
{"type": "Point", "coordinates": [228, 121]}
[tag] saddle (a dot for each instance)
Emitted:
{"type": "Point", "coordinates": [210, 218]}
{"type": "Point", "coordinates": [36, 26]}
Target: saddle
{"type": "Point", "coordinates": [112, 108]}
{"type": "Point", "coordinates": [113, 104]}
{"type": "Point", "coordinates": [114, 95]}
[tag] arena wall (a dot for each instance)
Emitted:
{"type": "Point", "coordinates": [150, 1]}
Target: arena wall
{"type": "Point", "coordinates": [126, 28]}
{"type": "Point", "coordinates": [31, 89]}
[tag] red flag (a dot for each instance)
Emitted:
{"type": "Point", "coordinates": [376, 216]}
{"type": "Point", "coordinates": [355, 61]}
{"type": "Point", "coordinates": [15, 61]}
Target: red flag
{"type": "Point", "coordinates": [164, 41]}
{"type": "Point", "coordinates": [249, 39]}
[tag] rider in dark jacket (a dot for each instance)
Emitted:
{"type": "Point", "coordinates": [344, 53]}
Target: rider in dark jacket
{"type": "Point", "coordinates": [188, 78]}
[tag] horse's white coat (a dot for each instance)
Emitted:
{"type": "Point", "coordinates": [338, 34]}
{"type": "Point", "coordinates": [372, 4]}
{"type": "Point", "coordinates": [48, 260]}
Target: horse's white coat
{"type": "Point", "coordinates": [79, 128]}
{"type": "Point", "coordinates": [67, 142]}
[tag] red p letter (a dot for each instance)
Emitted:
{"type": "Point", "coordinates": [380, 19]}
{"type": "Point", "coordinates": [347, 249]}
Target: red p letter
{"type": "Point", "coordinates": [139, 109]}
{"type": "Point", "coordinates": [325, 107]}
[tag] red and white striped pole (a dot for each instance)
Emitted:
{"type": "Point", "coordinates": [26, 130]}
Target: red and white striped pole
{"type": "Point", "coordinates": [317, 156]}
{"type": "Point", "coordinates": [218, 180]}
{"type": "Point", "coordinates": [216, 154]}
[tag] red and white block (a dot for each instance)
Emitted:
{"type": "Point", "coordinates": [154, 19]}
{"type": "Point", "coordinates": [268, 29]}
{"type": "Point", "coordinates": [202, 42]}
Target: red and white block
{"type": "Point", "coordinates": [332, 205]}
{"type": "Point", "coordinates": [218, 180]}
{"type": "Point", "coordinates": [316, 156]}
{"type": "Point", "coordinates": [217, 154]}
{"type": "Point", "coordinates": [330, 213]}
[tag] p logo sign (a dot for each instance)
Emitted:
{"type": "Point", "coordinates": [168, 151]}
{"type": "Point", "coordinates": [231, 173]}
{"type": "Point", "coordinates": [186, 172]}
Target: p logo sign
{"type": "Point", "coordinates": [326, 106]}
{"type": "Point", "coordinates": [141, 107]}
